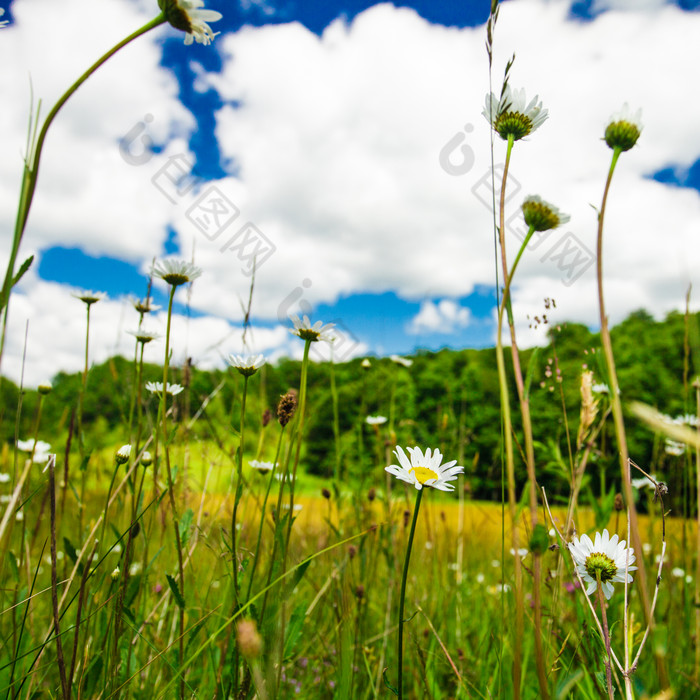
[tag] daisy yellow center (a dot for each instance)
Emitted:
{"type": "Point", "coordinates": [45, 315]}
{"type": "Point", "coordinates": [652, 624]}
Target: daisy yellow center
{"type": "Point", "coordinates": [599, 565]}
{"type": "Point", "coordinates": [539, 216]}
{"type": "Point", "coordinates": [308, 334]}
{"type": "Point", "coordinates": [175, 278]}
{"type": "Point", "coordinates": [423, 474]}
{"type": "Point", "coordinates": [622, 135]}
{"type": "Point", "coordinates": [512, 124]}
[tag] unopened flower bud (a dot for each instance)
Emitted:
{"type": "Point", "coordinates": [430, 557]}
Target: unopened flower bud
{"type": "Point", "coordinates": [123, 454]}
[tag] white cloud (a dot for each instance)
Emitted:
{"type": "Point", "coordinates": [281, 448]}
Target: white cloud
{"type": "Point", "coordinates": [336, 146]}
{"type": "Point", "coordinates": [444, 317]}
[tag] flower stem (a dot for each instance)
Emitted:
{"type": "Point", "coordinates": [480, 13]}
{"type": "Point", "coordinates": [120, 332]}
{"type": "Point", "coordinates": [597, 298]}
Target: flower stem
{"type": "Point", "coordinates": [171, 489]}
{"type": "Point", "coordinates": [239, 492]}
{"type": "Point", "coordinates": [616, 405]}
{"type": "Point", "coordinates": [508, 430]}
{"type": "Point", "coordinates": [402, 596]}
{"type": "Point", "coordinates": [31, 169]}
{"type": "Point", "coordinates": [606, 639]}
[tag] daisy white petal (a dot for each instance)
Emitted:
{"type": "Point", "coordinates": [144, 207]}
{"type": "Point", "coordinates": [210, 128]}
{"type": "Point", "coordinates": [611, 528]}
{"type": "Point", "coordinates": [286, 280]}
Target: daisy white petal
{"type": "Point", "coordinates": [186, 16]}
{"type": "Point", "coordinates": [176, 272]}
{"type": "Point", "coordinates": [512, 116]}
{"type": "Point", "coordinates": [424, 469]}
{"type": "Point", "coordinates": [318, 331]}
{"type": "Point", "coordinates": [606, 557]}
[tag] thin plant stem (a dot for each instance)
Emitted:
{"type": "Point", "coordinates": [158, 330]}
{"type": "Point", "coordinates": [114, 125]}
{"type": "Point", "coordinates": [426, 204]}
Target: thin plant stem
{"type": "Point", "coordinates": [697, 549]}
{"type": "Point", "coordinates": [171, 490]}
{"type": "Point", "coordinates": [618, 419]}
{"type": "Point", "coordinates": [239, 491]}
{"type": "Point", "coordinates": [402, 594]}
{"type": "Point", "coordinates": [508, 443]}
{"type": "Point", "coordinates": [606, 639]}
{"type": "Point", "coordinates": [31, 168]}
{"type": "Point", "coordinates": [262, 516]}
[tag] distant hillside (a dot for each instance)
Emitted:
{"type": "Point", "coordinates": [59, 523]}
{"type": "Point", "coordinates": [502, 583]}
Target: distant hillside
{"type": "Point", "coordinates": [446, 399]}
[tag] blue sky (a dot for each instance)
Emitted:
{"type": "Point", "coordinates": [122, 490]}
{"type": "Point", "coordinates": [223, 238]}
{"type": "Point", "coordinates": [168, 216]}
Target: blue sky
{"type": "Point", "coordinates": [347, 140]}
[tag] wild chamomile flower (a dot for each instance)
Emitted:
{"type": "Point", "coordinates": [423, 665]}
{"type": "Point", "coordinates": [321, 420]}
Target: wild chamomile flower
{"type": "Point", "coordinates": [542, 216]}
{"type": "Point", "coordinates": [375, 420]}
{"type": "Point", "coordinates": [176, 272]}
{"type": "Point", "coordinates": [144, 306]}
{"type": "Point", "coordinates": [123, 454]}
{"type": "Point", "coordinates": [605, 558]}
{"type": "Point", "coordinates": [186, 16]}
{"type": "Point", "coordinates": [304, 329]}
{"type": "Point", "coordinates": [89, 297]}
{"type": "Point", "coordinates": [512, 115]}
{"type": "Point", "coordinates": [142, 336]}
{"type": "Point", "coordinates": [424, 469]}
{"type": "Point", "coordinates": [247, 365]}
{"type": "Point", "coordinates": [157, 388]}
{"type": "Point", "coordinates": [261, 467]}
{"type": "Point", "coordinates": [624, 129]}
{"type": "Point", "coordinates": [673, 448]}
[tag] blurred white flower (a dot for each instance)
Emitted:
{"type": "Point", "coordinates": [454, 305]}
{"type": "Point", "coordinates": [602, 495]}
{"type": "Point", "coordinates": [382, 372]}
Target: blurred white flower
{"type": "Point", "coordinates": [304, 330]}
{"type": "Point", "coordinates": [375, 420]}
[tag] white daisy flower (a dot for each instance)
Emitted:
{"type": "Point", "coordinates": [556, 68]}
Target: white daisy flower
{"type": "Point", "coordinates": [424, 469]}
{"type": "Point", "coordinates": [176, 272]}
{"type": "Point", "coordinates": [123, 454]}
{"type": "Point", "coordinates": [600, 389]}
{"type": "Point", "coordinates": [521, 552]}
{"type": "Point", "coordinates": [4, 477]}
{"type": "Point", "coordinates": [624, 128]}
{"type": "Point", "coordinates": [512, 115]}
{"type": "Point", "coordinates": [90, 297]}
{"type": "Point", "coordinates": [28, 445]}
{"type": "Point", "coordinates": [606, 558]}
{"type": "Point", "coordinates": [403, 361]}
{"type": "Point", "coordinates": [677, 572]}
{"type": "Point", "coordinates": [262, 467]}
{"type": "Point", "coordinates": [541, 215]}
{"type": "Point", "coordinates": [644, 483]}
{"type": "Point", "coordinates": [186, 16]}
{"type": "Point", "coordinates": [673, 448]}
{"type": "Point", "coordinates": [143, 336]}
{"type": "Point", "coordinates": [375, 420]}
{"type": "Point", "coordinates": [305, 331]}
{"type": "Point", "coordinates": [247, 365]}
{"type": "Point", "coordinates": [157, 388]}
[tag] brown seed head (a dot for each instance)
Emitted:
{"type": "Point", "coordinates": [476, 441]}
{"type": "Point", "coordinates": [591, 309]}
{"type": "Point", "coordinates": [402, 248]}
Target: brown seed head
{"type": "Point", "coordinates": [286, 407]}
{"type": "Point", "coordinates": [619, 503]}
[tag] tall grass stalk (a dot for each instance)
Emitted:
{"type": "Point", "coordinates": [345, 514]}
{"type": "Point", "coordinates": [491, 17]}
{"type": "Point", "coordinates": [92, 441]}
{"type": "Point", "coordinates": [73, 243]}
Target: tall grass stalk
{"type": "Point", "coordinates": [30, 174]}
{"type": "Point", "coordinates": [171, 490]}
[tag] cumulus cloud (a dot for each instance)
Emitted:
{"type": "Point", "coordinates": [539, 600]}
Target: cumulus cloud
{"type": "Point", "coordinates": [361, 157]}
{"type": "Point", "coordinates": [445, 316]}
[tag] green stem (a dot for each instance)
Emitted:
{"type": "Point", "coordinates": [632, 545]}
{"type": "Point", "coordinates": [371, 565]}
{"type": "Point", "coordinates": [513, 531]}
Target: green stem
{"type": "Point", "coordinates": [616, 403]}
{"type": "Point", "coordinates": [239, 491]}
{"type": "Point", "coordinates": [262, 522]}
{"type": "Point", "coordinates": [606, 640]}
{"type": "Point", "coordinates": [31, 168]}
{"type": "Point", "coordinates": [402, 597]}
{"type": "Point", "coordinates": [171, 488]}
{"type": "Point", "coordinates": [508, 428]}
